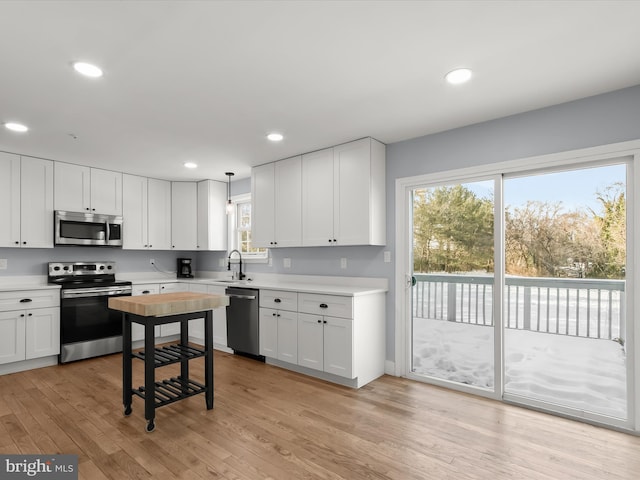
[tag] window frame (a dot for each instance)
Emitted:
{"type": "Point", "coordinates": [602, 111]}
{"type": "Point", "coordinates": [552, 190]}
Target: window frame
{"type": "Point", "coordinates": [234, 232]}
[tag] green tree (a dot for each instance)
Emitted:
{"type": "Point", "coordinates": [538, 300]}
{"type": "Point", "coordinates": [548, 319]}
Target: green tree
{"type": "Point", "coordinates": [453, 230]}
{"type": "Point", "coordinates": [610, 260]}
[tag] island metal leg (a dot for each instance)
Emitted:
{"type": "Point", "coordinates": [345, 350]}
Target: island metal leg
{"type": "Point", "coordinates": [149, 376]}
{"type": "Point", "coordinates": [184, 363]}
{"type": "Point", "coordinates": [208, 359]}
{"type": "Point", "coordinates": [127, 396]}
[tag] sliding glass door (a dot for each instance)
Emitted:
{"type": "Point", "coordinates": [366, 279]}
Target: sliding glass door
{"type": "Point", "coordinates": [564, 298]}
{"type": "Point", "coordinates": [452, 337]}
{"type": "Point", "coordinates": [517, 288]}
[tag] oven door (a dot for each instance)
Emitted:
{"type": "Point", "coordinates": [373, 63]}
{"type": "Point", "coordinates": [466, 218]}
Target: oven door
{"type": "Point", "coordinates": [87, 326]}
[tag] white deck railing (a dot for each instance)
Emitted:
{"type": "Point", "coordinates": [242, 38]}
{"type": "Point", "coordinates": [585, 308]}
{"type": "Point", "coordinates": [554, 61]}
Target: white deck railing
{"type": "Point", "coordinates": [565, 306]}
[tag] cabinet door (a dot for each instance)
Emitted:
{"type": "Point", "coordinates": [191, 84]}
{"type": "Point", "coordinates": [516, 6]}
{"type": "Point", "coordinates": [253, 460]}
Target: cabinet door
{"type": "Point", "coordinates": [106, 192]}
{"type": "Point", "coordinates": [219, 318]}
{"type": "Point", "coordinates": [171, 328]}
{"type": "Point", "coordinates": [310, 341]}
{"type": "Point", "coordinates": [338, 346]}
{"type": "Point", "coordinates": [268, 332]}
{"type": "Point", "coordinates": [351, 213]}
{"type": "Point", "coordinates": [42, 332]}
{"type": "Point", "coordinates": [12, 336]}
{"type": "Point", "coordinates": [184, 215]}
{"type": "Point", "coordinates": [134, 212]}
{"type": "Point", "coordinates": [288, 202]}
{"type": "Point", "coordinates": [317, 198]}
{"type": "Point", "coordinates": [263, 206]}
{"type": "Point", "coordinates": [36, 203]}
{"type": "Point", "coordinates": [287, 336]}
{"type": "Point", "coordinates": [196, 327]}
{"type": "Point", "coordinates": [159, 214]}
{"type": "Point", "coordinates": [9, 200]}
{"type": "Point", "coordinates": [72, 187]}
{"type": "Point", "coordinates": [212, 215]}
{"type": "Point", "coordinates": [137, 330]}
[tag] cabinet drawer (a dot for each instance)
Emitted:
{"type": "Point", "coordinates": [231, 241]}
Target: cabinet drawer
{"type": "Point", "coordinates": [28, 299]}
{"type": "Point", "coordinates": [279, 299]}
{"type": "Point", "coordinates": [331, 305]}
{"type": "Point", "coordinates": [145, 289]}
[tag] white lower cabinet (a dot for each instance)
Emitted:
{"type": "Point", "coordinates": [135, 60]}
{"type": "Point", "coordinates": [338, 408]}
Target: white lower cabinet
{"type": "Point", "coordinates": [278, 332]}
{"type": "Point", "coordinates": [196, 327]}
{"type": "Point", "coordinates": [339, 336]}
{"type": "Point", "coordinates": [326, 344]}
{"type": "Point", "coordinates": [137, 330]}
{"type": "Point", "coordinates": [27, 334]}
{"type": "Point", "coordinates": [171, 328]}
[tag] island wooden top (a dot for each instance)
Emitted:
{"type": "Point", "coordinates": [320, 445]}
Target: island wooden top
{"type": "Point", "coordinates": [164, 304]}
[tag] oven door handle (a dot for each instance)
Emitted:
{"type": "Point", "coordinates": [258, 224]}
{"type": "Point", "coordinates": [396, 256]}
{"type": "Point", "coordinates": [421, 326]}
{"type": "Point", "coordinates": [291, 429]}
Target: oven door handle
{"type": "Point", "coordinates": [93, 292]}
{"type": "Point", "coordinates": [243, 297]}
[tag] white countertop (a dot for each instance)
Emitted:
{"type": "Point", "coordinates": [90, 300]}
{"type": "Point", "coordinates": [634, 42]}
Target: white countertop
{"type": "Point", "coordinates": [348, 286]}
{"type": "Point", "coordinates": [35, 282]}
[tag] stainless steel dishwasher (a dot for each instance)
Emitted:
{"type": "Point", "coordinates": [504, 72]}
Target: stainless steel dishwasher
{"type": "Point", "coordinates": [243, 321]}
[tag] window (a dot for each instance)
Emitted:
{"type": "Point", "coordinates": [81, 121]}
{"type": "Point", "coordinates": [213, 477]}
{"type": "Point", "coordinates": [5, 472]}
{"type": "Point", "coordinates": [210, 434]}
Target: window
{"type": "Point", "coordinates": [240, 230]}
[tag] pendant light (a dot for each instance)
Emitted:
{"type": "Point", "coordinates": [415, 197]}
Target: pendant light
{"type": "Point", "coordinates": [229, 204]}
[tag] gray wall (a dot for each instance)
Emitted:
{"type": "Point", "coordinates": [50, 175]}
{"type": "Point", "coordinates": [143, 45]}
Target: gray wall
{"type": "Point", "coordinates": [599, 120]}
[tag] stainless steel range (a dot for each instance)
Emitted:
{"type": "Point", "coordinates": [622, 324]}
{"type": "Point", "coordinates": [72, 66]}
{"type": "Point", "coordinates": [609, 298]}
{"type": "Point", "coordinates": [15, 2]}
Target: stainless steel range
{"type": "Point", "coordinates": [87, 327]}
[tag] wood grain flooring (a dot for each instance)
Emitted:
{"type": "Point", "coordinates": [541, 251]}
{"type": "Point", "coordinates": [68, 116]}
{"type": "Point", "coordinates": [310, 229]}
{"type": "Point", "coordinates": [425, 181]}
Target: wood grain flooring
{"type": "Point", "coordinates": [268, 423]}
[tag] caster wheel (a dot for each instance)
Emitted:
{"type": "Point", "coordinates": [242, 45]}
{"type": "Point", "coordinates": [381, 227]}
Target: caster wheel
{"type": "Point", "coordinates": [127, 411]}
{"type": "Point", "coordinates": [151, 426]}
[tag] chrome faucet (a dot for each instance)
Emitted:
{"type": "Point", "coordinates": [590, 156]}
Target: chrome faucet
{"type": "Point", "coordinates": [240, 274]}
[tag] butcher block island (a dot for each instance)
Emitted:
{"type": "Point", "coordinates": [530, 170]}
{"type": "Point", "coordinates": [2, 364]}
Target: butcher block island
{"type": "Point", "coordinates": [161, 305]}
{"type": "Point", "coordinates": [152, 310]}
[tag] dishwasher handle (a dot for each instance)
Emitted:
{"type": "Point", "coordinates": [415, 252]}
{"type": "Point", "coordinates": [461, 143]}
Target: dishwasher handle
{"type": "Point", "coordinates": [244, 297]}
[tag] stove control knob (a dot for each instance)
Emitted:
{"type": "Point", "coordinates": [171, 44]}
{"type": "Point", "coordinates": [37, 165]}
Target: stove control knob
{"type": "Point", "coordinates": [56, 268]}
{"type": "Point", "coordinates": [109, 267]}
{"type": "Point", "coordinates": [101, 267]}
{"type": "Point", "coordinates": [65, 268]}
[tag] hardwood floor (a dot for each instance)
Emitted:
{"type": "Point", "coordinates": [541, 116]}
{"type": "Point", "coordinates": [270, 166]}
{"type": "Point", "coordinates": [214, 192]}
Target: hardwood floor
{"type": "Point", "coordinates": [268, 423]}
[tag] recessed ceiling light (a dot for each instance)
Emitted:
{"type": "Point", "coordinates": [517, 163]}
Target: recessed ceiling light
{"type": "Point", "coordinates": [87, 69]}
{"type": "Point", "coordinates": [458, 76]}
{"type": "Point", "coordinates": [275, 137]}
{"type": "Point", "coordinates": [190, 165]}
{"type": "Point", "coordinates": [16, 127]}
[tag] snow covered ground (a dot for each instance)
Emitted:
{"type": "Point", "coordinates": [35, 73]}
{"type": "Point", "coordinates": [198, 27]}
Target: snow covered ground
{"type": "Point", "coordinates": [583, 373]}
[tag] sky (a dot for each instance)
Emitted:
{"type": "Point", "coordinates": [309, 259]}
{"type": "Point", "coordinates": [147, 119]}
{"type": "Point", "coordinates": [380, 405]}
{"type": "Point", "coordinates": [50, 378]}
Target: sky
{"type": "Point", "coordinates": [576, 189]}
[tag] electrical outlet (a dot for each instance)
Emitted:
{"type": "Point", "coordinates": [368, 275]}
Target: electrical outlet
{"type": "Point", "coordinates": [287, 263]}
{"type": "Point", "coordinates": [3, 263]}
{"type": "Point", "coordinates": [152, 261]}
{"type": "Point", "coordinates": [270, 261]}
{"type": "Point", "coordinates": [221, 262]}
{"type": "Point", "coordinates": [387, 257]}
{"type": "Point", "coordinates": [343, 263]}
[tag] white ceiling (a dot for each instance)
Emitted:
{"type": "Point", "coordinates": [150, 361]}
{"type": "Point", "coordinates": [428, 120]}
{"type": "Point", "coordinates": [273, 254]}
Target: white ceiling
{"type": "Point", "coordinates": [205, 81]}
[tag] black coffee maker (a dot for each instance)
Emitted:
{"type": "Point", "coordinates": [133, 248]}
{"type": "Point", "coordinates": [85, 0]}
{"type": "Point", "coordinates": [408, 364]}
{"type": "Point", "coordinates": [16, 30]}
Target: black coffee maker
{"type": "Point", "coordinates": [184, 268]}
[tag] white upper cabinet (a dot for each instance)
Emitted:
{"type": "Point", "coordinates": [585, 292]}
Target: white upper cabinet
{"type": "Point", "coordinates": [26, 202]}
{"type": "Point", "coordinates": [212, 215]}
{"type": "Point", "coordinates": [263, 206]}
{"type": "Point", "coordinates": [135, 226]}
{"type": "Point", "coordinates": [343, 195]}
{"type": "Point", "coordinates": [184, 215]}
{"type": "Point", "coordinates": [288, 202]}
{"type": "Point", "coordinates": [276, 210]}
{"type": "Point", "coordinates": [359, 193]}
{"type": "Point", "coordinates": [84, 189]}
{"type": "Point", "coordinates": [146, 213]}
{"type": "Point", "coordinates": [10, 200]}
{"type": "Point", "coordinates": [317, 198]}
{"type": "Point", "coordinates": [159, 214]}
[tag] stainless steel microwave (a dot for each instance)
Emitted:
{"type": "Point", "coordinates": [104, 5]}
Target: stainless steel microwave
{"type": "Point", "coordinates": [79, 228]}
